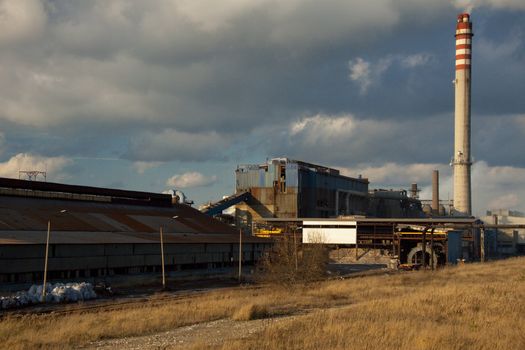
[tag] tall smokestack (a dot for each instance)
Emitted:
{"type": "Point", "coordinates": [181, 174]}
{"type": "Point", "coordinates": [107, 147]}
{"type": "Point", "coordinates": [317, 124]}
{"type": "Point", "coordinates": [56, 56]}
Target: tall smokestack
{"type": "Point", "coordinates": [435, 192]}
{"type": "Point", "coordinates": [462, 160]}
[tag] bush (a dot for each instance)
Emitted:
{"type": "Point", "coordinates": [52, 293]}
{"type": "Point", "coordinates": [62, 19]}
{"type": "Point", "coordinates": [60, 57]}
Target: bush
{"type": "Point", "coordinates": [279, 264]}
{"type": "Point", "coordinates": [250, 312]}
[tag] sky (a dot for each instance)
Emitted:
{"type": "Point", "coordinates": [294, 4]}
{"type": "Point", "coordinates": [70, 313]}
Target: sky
{"type": "Point", "coordinates": [156, 95]}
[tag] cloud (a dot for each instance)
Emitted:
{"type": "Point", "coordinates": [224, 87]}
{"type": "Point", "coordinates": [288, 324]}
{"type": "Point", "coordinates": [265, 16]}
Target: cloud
{"type": "Point", "coordinates": [394, 174]}
{"type": "Point", "coordinates": [169, 145]}
{"type": "Point", "coordinates": [21, 20]}
{"type": "Point", "coordinates": [184, 64]}
{"type": "Point", "coordinates": [496, 187]}
{"type": "Point", "coordinates": [342, 83]}
{"type": "Point", "coordinates": [346, 139]}
{"type": "Point", "coordinates": [360, 73]}
{"type": "Point", "coordinates": [415, 60]}
{"type": "Point", "coordinates": [506, 201]}
{"type": "Point", "coordinates": [141, 167]}
{"type": "Point", "coordinates": [367, 74]}
{"type": "Point", "coordinates": [470, 5]}
{"type": "Point", "coordinates": [53, 166]}
{"type": "Point", "coordinates": [213, 18]}
{"type": "Point", "coordinates": [493, 187]}
{"type": "Point", "coordinates": [2, 142]}
{"type": "Point", "coordinates": [191, 179]}
{"type": "Point", "coordinates": [350, 140]}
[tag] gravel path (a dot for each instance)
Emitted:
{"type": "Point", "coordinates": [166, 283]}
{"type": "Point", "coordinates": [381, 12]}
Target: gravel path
{"type": "Point", "coordinates": [205, 334]}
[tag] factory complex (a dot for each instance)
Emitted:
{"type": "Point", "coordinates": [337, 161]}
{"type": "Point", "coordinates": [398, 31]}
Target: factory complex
{"type": "Point", "coordinates": [97, 232]}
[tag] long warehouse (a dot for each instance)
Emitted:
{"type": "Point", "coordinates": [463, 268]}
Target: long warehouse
{"type": "Point", "coordinates": [99, 232]}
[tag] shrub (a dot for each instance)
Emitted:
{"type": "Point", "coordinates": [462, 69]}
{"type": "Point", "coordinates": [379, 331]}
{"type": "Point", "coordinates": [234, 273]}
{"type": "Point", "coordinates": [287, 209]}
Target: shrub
{"type": "Point", "coordinates": [279, 264]}
{"type": "Point", "coordinates": [250, 312]}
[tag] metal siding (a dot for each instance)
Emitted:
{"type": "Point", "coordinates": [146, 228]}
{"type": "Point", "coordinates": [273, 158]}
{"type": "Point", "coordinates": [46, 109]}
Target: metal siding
{"type": "Point", "coordinates": [125, 261]}
{"type": "Point", "coordinates": [118, 249]}
{"type": "Point", "coordinates": [22, 251]}
{"type": "Point", "coordinates": [21, 265]}
{"type": "Point", "coordinates": [286, 204]}
{"type": "Point", "coordinates": [77, 263]}
{"type": "Point", "coordinates": [292, 175]}
{"type": "Point", "coordinates": [153, 260]}
{"type": "Point", "coordinates": [454, 246]}
{"type": "Point", "coordinates": [62, 250]}
{"type": "Point", "coordinates": [262, 178]}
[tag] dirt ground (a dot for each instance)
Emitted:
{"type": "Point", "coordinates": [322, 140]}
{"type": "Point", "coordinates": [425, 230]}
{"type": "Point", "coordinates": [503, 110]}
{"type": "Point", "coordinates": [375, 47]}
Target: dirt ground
{"type": "Point", "coordinates": [207, 334]}
{"type": "Point", "coordinates": [213, 334]}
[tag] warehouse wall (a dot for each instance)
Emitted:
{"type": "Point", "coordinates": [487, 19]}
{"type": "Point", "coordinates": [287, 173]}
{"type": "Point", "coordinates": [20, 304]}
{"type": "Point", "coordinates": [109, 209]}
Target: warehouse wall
{"type": "Point", "coordinates": [25, 263]}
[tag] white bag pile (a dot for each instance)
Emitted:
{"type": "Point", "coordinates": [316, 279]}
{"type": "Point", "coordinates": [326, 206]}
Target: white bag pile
{"type": "Point", "coordinates": [56, 293]}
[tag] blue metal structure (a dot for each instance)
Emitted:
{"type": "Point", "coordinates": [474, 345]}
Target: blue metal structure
{"type": "Point", "coordinates": [217, 207]}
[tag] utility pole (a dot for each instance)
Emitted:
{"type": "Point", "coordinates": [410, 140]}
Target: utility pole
{"type": "Point", "coordinates": [162, 258]}
{"type": "Point", "coordinates": [63, 211]}
{"type": "Point", "coordinates": [45, 262]}
{"type": "Point", "coordinates": [295, 247]}
{"type": "Point", "coordinates": [482, 244]}
{"type": "Point", "coordinates": [240, 255]}
{"type": "Point", "coordinates": [432, 247]}
{"type": "Point", "coordinates": [424, 252]}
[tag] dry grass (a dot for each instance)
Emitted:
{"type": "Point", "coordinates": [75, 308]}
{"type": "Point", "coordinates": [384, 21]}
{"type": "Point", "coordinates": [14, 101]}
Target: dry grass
{"type": "Point", "coordinates": [472, 307]}
{"type": "Point", "coordinates": [479, 306]}
{"type": "Point", "coordinates": [250, 312]}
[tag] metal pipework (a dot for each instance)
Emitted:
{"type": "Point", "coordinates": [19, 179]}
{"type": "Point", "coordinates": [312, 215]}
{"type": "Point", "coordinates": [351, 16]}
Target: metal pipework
{"type": "Point", "coordinates": [462, 160]}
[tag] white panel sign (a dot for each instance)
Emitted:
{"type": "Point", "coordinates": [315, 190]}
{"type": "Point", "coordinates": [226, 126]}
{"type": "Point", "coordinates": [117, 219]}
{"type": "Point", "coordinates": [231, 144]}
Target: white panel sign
{"type": "Point", "coordinates": [330, 232]}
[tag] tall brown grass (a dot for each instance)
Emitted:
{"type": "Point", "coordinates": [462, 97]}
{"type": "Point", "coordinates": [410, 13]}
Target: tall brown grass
{"type": "Point", "coordinates": [250, 311]}
{"type": "Point", "coordinates": [477, 306]}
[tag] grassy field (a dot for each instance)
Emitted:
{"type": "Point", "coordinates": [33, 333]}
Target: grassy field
{"type": "Point", "coordinates": [476, 306]}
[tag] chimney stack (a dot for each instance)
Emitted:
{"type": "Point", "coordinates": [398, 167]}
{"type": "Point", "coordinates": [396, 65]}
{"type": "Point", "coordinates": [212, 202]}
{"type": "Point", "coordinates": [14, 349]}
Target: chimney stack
{"type": "Point", "coordinates": [435, 192]}
{"type": "Point", "coordinates": [462, 161]}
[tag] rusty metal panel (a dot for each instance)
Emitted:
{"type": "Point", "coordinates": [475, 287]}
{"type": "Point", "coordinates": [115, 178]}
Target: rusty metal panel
{"type": "Point", "coordinates": [130, 222]}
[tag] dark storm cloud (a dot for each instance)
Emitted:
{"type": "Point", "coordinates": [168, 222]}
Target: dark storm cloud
{"type": "Point", "coordinates": [113, 76]}
{"type": "Point", "coordinates": [345, 140]}
{"type": "Point", "coordinates": [172, 144]}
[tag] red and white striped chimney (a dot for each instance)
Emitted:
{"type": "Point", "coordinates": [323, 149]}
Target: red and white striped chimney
{"type": "Point", "coordinates": [462, 160]}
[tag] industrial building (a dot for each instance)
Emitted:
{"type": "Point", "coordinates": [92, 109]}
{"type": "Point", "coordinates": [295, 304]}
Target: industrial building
{"type": "Point", "coordinates": [510, 240]}
{"type": "Point", "coordinates": [438, 240]}
{"type": "Point", "coordinates": [99, 232]}
{"type": "Point", "coordinates": [286, 188]}
{"type": "Point", "coordinates": [393, 204]}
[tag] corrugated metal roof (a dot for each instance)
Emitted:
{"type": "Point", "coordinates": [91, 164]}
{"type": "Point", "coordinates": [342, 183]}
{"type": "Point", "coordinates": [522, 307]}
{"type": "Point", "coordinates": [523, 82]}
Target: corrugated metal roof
{"type": "Point", "coordinates": [74, 237]}
{"type": "Point", "coordinates": [24, 221]}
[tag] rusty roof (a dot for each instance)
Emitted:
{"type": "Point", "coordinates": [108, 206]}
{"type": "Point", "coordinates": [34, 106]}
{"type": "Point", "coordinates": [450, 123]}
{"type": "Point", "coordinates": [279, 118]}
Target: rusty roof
{"type": "Point", "coordinates": [75, 237]}
{"type": "Point", "coordinates": [23, 220]}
